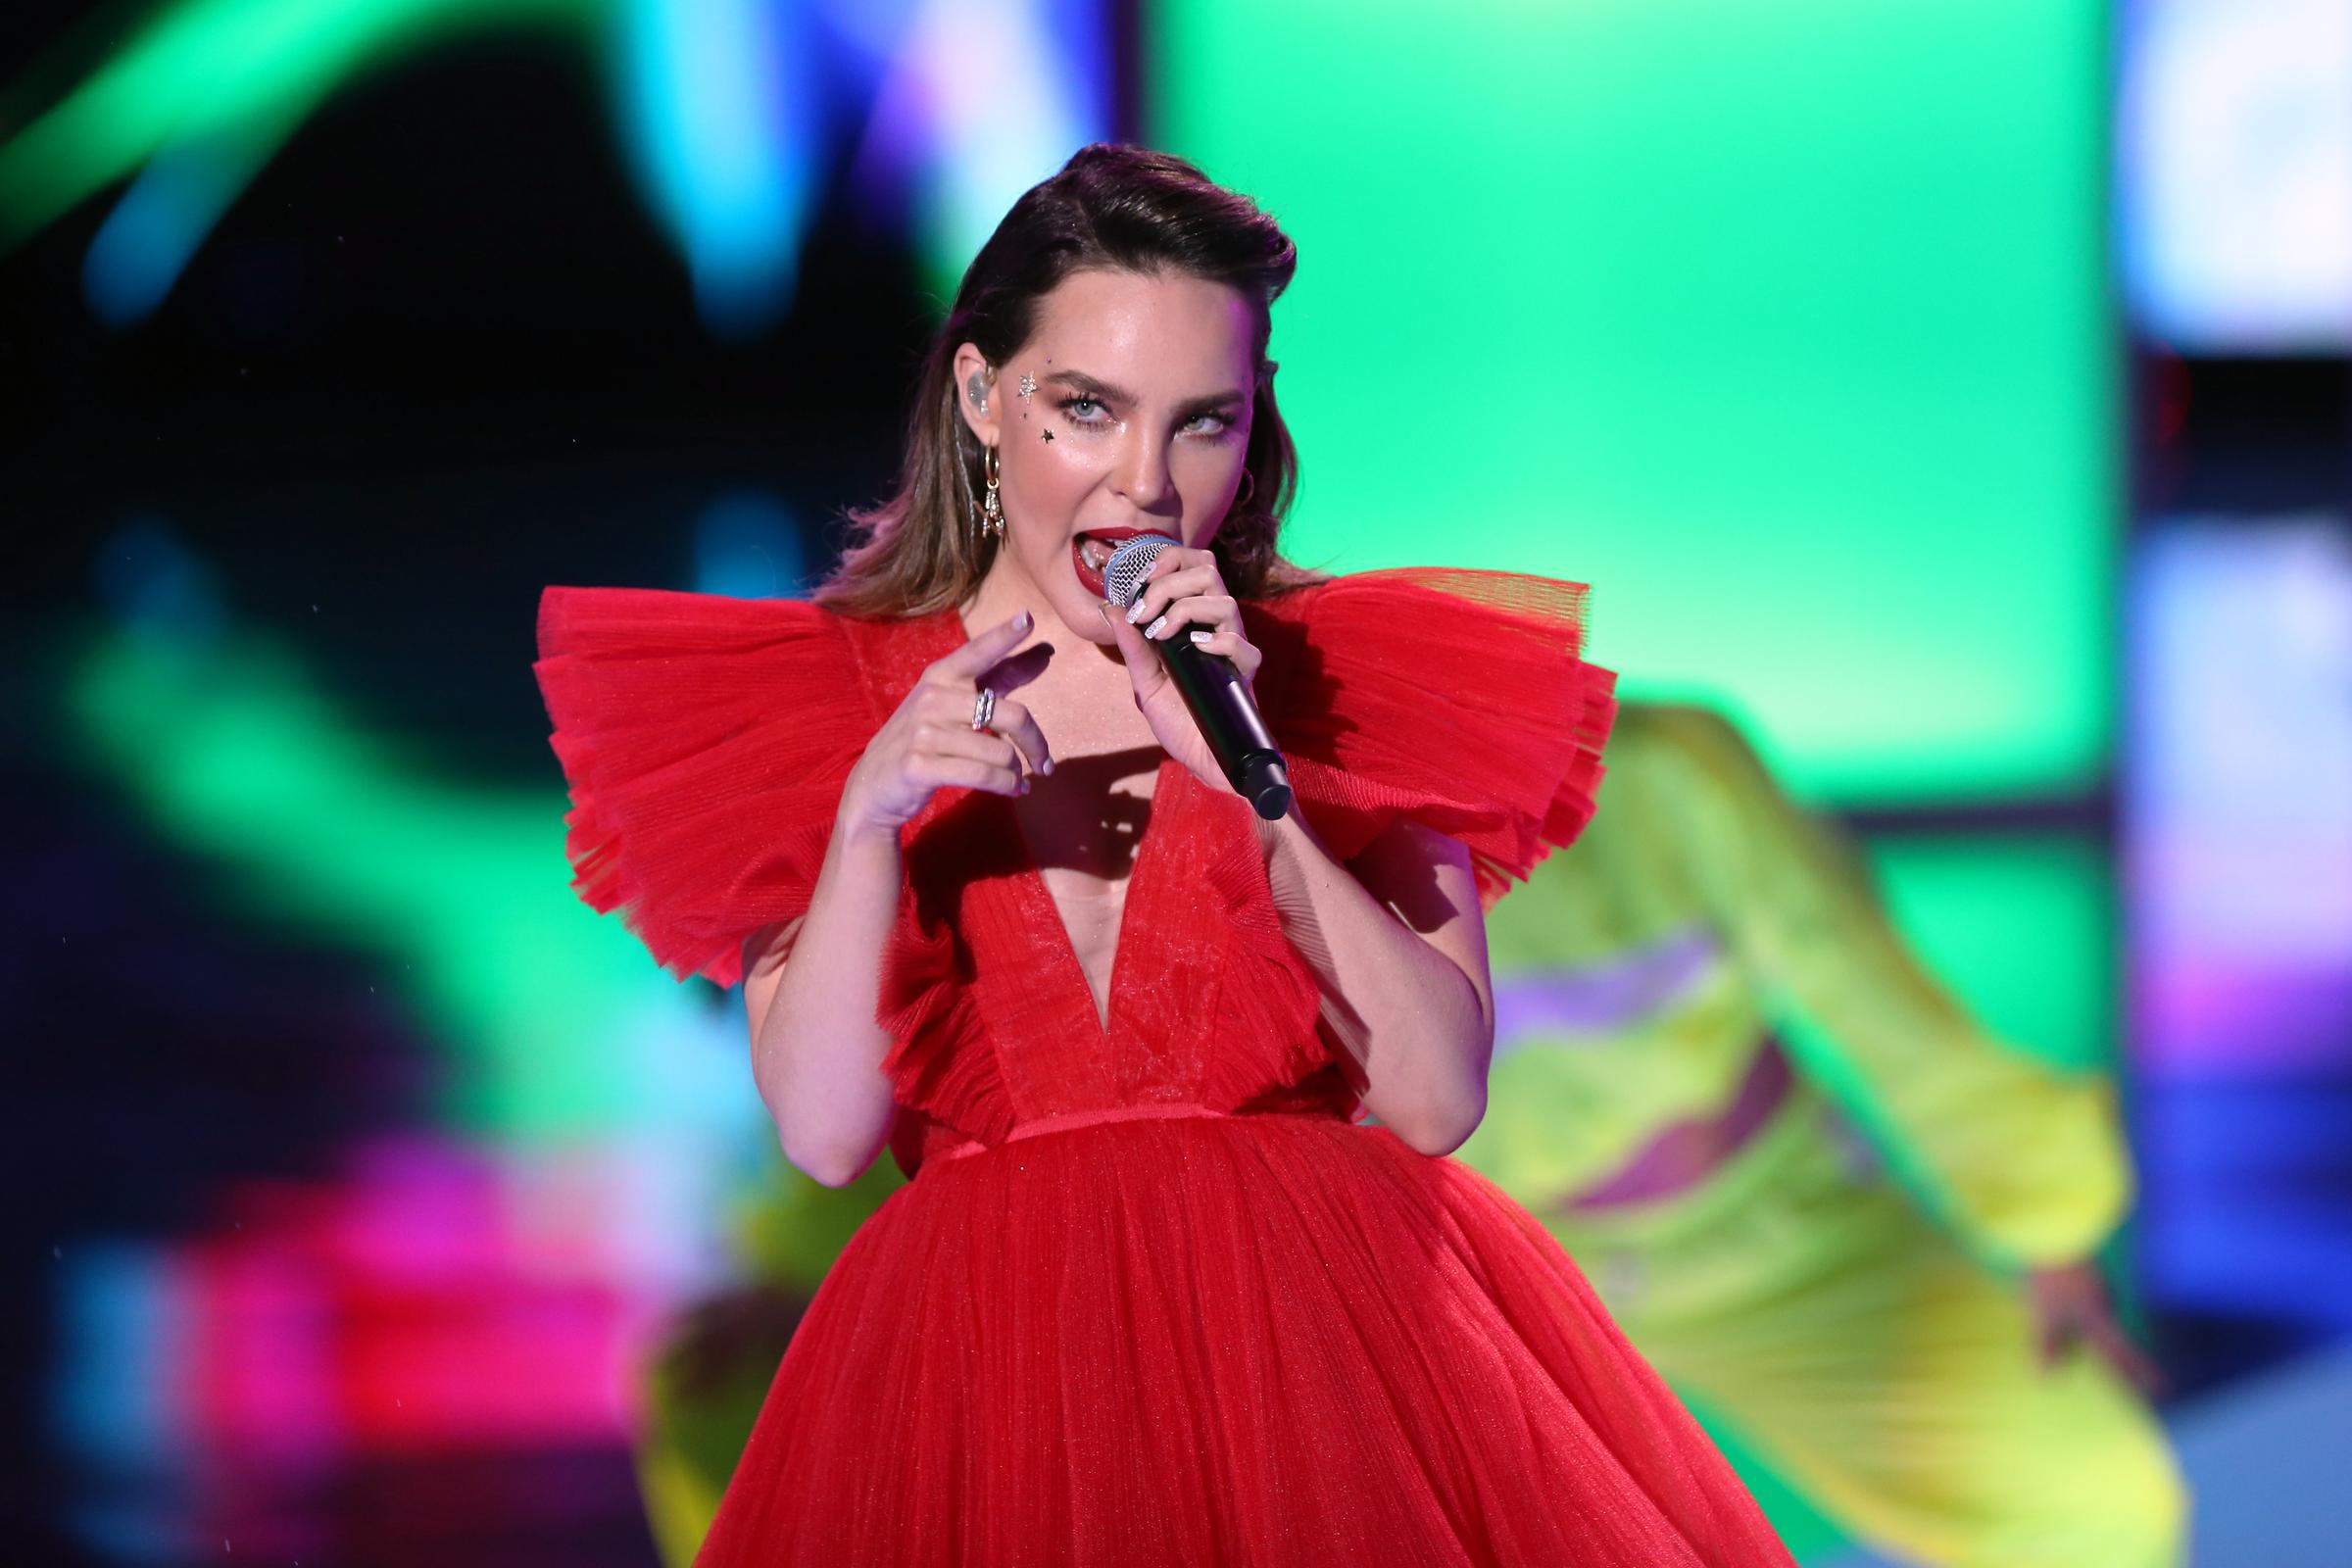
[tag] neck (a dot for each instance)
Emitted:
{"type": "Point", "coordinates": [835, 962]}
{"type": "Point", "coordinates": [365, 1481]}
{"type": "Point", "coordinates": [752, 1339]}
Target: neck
{"type": "Point", "coordinates": [1005, 590]}
{"type": "Point", "coordinates": [1080, 695]}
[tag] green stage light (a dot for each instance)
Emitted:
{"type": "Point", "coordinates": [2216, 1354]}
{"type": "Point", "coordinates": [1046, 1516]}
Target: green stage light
{"type": "Point", "coordinates": [206, 69]}
{"type": "Point", "coordinates": [1784, 326]}
{"type": "Point", "coordinates": [556, 1024]}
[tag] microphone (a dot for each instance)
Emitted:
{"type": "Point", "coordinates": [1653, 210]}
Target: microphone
{"type": "Point", "coordinates": [1213, 691]}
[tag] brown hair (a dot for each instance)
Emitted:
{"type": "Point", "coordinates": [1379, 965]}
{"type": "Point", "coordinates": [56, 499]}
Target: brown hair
{"type": "Point", "coordinates": [1110, 207]}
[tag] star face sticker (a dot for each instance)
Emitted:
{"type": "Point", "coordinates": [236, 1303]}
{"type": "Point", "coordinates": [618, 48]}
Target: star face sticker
{"type": "Point", "coordinates": [1028, 385]}
{"type": "Point", "coordinates": [1045, 436]}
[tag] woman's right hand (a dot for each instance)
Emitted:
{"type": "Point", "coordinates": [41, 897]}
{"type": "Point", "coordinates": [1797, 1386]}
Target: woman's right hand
{"type": "Point", "coordinates": [929, 744]}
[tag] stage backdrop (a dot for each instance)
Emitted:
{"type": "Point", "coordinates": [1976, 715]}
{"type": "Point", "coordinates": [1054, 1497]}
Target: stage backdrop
{"type": "Point", "coordinates": [1783, 326]}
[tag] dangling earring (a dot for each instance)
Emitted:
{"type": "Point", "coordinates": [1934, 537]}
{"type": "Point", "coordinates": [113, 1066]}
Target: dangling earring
{"type": "Point", "coordinates": [991, 508]}
{"type": "Point", "coordinates": [1249, 489]}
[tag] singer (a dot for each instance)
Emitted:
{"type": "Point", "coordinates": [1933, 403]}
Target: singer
{"type": "Point", "coordinates": [1155, 1294]}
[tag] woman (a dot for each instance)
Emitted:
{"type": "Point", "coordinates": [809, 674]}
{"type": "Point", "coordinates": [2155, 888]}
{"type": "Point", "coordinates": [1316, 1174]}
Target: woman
{"type": "Point", "coordinates": [1155, 1296]}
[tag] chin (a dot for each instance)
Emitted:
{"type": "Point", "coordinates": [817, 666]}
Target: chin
{"type": "Point", "coordinates": [1081, 613]}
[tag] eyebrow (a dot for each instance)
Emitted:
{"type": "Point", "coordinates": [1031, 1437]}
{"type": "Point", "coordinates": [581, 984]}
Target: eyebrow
{"type": "Point", "coordinates": [1091, 386]}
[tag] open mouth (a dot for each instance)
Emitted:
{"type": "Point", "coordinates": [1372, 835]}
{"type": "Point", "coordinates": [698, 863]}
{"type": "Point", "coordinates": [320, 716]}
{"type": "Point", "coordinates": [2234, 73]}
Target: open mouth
{"type": "Point", "coordinates": [1089, 553]}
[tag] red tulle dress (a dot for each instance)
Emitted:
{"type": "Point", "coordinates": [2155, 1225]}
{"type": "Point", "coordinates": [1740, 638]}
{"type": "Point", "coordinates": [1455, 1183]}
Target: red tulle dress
{"type": "Point", "coordinates": [1153, 1296]}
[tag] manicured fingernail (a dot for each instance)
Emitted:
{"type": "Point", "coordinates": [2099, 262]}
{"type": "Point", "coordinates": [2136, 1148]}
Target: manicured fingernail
{"type": "Point", "coordinates": [1135, 613]}
{"type": "Point", "coordinates": [1156, 628]}
{"type": "Point", "coordinates": [1024, 786]}
{"type": "Point", "coordinates": [1020, 622]}
{"type": "Point", "coordinates": [1049, 767]}
{"type": "Point", "coordinates": [1203, 636]}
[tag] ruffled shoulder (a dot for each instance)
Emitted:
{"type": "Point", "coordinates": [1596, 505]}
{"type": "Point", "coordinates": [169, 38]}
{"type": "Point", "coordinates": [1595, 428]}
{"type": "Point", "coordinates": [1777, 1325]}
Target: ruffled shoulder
{"type": "Point", "coordinates": [706, 741]}
{"type": "Point", "coordinates": [1459, 700]}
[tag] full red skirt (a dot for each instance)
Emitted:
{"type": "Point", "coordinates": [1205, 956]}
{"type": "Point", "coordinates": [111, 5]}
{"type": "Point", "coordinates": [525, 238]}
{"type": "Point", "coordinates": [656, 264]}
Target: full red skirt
{"type": "Point", "coordinates": [1247, 1340]}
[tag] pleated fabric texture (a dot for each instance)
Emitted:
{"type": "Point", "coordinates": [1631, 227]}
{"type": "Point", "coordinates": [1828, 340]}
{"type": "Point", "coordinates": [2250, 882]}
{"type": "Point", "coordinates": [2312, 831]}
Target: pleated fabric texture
{"type": "Point", "coordinates": [1261, 1340]}
{"type": "Point", "coordinates": [1155, 1296]}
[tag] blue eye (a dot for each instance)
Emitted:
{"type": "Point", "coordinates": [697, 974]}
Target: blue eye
{"type": "Point", "coordinates": [1073, 407]}
{"type": "Point", "coordinates": [1216, 423]}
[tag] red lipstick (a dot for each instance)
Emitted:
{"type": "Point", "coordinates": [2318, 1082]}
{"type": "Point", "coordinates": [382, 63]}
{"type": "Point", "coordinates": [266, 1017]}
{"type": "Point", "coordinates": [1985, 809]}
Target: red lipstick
{"type": "Point", "coordinates": [1104, 541]}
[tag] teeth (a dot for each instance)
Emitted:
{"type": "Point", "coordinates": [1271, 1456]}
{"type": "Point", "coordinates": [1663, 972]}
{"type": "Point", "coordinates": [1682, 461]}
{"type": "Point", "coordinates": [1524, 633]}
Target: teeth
{"type": "Point", "coordinates": [1094, 553]}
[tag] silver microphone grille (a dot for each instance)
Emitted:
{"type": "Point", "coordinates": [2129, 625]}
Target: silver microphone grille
{"type": "Point", "coordinates": [1123, 577]}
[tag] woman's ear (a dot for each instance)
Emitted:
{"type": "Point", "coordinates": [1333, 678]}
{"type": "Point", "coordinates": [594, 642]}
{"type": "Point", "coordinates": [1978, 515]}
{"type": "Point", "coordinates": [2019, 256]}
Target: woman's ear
{"type": "Point", "coordinates": [976, 393]}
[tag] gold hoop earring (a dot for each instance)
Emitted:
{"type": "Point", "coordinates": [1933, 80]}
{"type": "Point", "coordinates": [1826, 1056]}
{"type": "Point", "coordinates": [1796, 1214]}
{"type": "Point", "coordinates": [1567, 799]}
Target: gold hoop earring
{"type": "Point", "coordinates": [1249, 489]}
{"type": "Point", "coordinates": [991, 506]}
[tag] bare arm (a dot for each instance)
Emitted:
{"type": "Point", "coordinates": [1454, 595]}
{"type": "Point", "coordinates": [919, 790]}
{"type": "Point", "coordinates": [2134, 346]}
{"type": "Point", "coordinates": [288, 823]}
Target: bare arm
{"type": "Point", "coordinates": [811, 986]}
{"type": "Point", "coordinates": [1399, 944]}
{"type": "Point", "coordinates": [1395, 937]}
{"type": "Point", "coordinates": [809, 989]}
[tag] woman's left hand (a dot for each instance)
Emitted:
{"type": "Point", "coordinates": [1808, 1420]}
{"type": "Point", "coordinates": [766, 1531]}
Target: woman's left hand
{"type": "Point", "coordinates": [1182, 596]}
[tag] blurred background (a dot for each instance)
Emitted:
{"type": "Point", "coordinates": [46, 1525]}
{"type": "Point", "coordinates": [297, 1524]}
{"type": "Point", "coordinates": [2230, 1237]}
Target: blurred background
{"type": "Point", "coordinates": [1958, 393]}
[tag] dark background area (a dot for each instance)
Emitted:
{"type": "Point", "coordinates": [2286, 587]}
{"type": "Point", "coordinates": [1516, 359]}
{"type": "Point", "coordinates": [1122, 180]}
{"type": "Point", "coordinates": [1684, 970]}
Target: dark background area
{"type": "Point", "coordinates": [433, 359]}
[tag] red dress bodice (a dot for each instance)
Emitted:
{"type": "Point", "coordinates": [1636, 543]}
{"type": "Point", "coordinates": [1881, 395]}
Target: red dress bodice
{"type": "Point", "coordinates": [707, 740]}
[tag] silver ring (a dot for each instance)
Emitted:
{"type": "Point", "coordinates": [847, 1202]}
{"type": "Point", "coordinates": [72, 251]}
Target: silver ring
{"type": "Point", "coordinates": [984, 707]}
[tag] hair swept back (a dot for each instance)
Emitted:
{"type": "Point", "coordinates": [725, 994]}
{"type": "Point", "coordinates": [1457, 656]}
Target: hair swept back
{"type": "Point", "coordinates": [1113, 207]}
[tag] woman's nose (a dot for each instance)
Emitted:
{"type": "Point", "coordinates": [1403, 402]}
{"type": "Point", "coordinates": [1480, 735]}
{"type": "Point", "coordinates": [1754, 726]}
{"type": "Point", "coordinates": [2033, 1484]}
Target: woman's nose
{"type": "Point", "coordinates": [1143, 479]}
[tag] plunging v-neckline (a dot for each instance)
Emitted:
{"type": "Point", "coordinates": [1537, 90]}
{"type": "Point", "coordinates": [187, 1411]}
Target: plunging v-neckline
{"type": "Point", "coordinates": [1046, 910]}
{"type": "Point", "coordinates": [1042, 908]}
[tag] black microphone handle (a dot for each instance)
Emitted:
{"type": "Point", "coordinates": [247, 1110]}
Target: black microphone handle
{"type": "Point", "coordinates": [1220, 704]}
